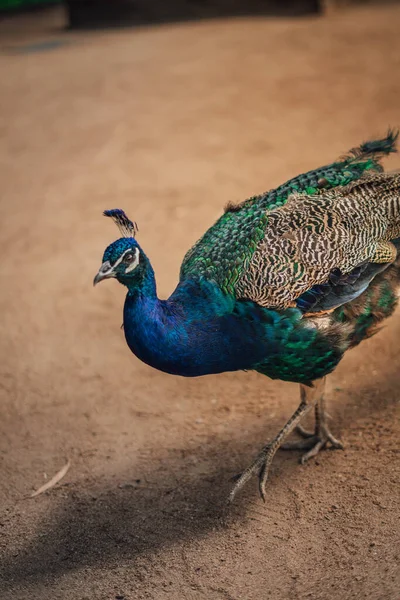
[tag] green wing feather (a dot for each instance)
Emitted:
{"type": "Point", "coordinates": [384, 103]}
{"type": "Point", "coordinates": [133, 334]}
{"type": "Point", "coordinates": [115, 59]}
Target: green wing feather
{"type": "Point", "coordinates": [225, 251]}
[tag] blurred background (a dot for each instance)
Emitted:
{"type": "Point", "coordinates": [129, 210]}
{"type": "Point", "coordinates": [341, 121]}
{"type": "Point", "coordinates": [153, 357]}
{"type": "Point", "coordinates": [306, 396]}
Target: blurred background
{"type": "Point", "coordinates": [106, 13]}
{"type": "Point", "coordinates": [170, 110]}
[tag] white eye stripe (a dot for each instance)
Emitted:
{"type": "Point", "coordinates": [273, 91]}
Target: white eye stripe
{"type": "Point", "coordinates": [121, 258]}
{"type": "Point", "coordinates": [134, 263]}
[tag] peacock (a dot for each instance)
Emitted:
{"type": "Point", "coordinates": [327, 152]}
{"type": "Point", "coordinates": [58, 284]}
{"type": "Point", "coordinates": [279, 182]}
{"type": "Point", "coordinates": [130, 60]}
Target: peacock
{"type": "Point", "coordinates": [283, 284]}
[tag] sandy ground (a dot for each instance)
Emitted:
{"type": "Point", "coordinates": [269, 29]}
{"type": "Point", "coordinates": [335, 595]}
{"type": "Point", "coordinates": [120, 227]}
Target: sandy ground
{"type": "Point", "coordinates": [170, 123]}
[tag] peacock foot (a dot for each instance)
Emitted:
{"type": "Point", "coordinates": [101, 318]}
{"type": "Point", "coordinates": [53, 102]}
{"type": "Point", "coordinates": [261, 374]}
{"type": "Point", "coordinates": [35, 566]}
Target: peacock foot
{"type": "Point", "coordinates": [259, 467]}
{"type": "Point", "coordinates": [313, 442]}
{"type": "Point", "coordinates": [309, 395]}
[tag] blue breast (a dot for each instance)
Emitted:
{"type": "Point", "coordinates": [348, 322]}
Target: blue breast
{"type": "Point", "coordinates": [196, 332]}
{"type": "Point", "coordinates": [200, 331]}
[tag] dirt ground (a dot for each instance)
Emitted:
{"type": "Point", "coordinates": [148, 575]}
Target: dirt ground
{"type": "Point", "coordinates": [170, 123]}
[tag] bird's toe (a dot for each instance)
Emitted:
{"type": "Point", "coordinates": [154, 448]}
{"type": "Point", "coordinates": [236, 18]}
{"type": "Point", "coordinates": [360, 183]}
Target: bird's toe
{"type": "Point", "coordinates": [304, 432]}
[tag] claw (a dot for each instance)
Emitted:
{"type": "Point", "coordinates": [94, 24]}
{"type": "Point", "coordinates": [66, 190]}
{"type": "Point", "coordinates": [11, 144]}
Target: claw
{"type": "Point", "coordinates": [243, 478]}
{"type": "Point", "coordinates": [337, 444]}
{"type": "Point", "coordinates": [313, 444]}
{"type": "Point", "coordinates": [313, 451]}
{"type": "Point", "coordinates": [262, 480]}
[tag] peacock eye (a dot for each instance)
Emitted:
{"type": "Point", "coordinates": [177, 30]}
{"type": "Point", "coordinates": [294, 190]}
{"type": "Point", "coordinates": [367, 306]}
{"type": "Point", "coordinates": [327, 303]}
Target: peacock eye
{"type": "Point", "coordinates": [128, 258]}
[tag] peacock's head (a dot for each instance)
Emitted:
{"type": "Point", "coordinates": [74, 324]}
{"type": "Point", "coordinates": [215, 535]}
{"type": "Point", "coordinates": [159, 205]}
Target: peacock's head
{"type": "Point", "coordinates": [123, 259]}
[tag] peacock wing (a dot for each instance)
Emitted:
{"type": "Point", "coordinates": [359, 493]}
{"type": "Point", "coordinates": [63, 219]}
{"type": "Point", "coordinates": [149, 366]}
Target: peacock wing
{"type": "Point", "coordinates": [322, 250]}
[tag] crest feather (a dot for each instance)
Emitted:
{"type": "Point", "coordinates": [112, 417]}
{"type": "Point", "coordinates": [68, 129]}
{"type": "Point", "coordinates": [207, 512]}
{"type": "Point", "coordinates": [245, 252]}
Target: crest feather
{"type": "Point", "coordinates": [126, 227]}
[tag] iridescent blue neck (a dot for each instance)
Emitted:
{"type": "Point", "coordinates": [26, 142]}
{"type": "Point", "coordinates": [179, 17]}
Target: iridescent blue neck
{"type": "Point", "coordinates": [192, 333]}
{"type": "Point", "coordinates": [147, 287]}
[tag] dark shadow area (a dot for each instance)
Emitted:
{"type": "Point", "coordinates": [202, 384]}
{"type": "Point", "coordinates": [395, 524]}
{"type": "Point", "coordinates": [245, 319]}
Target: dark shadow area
{"type": "Point", "coordinates": [129, 517]}
{"type": "Point", "coordinates": [89, 14]}
{"type": "Point", "coordinates": [102, 524]}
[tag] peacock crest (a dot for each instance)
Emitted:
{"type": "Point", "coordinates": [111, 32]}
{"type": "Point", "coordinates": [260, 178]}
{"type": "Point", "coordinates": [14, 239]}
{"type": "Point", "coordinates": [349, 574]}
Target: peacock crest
{"type": "Point", "coordinates": [126, 227]}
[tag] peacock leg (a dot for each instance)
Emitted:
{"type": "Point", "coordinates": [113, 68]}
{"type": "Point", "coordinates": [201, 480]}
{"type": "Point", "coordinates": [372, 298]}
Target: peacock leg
{"type": "Point", "coordinates": [261, 465]}
{"type": "Point", "coordinates": [321, 436]}
{"type": "Point", "coordinates": [304, 433]}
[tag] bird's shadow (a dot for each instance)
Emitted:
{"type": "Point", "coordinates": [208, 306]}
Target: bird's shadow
{"type": "Point", "coordinates": [137, 512]}
{"type": "Point", "coordinates": [126, 517]}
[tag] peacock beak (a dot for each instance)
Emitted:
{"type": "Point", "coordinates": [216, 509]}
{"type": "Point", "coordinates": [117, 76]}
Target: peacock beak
{"type": "Point", "coordinates": [105, 272]}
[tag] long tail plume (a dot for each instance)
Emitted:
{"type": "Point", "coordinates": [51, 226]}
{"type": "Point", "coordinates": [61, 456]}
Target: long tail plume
{"type": "Point", "coordinates": [373, 150]}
